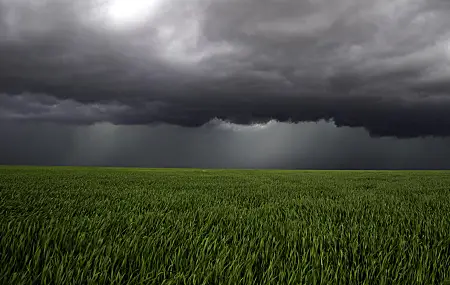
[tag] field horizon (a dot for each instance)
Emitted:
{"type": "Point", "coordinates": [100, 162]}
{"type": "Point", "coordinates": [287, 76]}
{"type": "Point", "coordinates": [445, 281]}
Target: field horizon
{"type": "Point", "coordinates": [21, 166]}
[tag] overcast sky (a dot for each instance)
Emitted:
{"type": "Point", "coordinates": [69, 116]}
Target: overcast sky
{"type": "Point", "coordinates": [226, 83]}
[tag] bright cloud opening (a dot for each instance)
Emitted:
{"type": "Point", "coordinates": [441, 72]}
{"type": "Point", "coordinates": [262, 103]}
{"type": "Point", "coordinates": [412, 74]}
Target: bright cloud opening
{"type": "Point", "coordinates": [129, 12]}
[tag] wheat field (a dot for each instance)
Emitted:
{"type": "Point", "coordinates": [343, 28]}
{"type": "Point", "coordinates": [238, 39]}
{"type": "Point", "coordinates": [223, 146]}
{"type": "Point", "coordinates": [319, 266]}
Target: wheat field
{"type": "Point", "coordinates": [69, 225]}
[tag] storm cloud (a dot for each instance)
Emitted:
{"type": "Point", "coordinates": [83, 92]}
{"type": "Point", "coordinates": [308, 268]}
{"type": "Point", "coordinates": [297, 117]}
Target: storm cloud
{"type": "Point", "coordinates": [383, 65]}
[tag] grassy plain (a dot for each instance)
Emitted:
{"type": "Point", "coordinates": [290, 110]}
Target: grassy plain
{"type": "Point", "coordinates": [178, 226]}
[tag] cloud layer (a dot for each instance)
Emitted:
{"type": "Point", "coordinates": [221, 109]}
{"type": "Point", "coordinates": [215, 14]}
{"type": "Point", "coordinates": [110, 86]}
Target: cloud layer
{"type": "Point", "coordinates": [382, 65]}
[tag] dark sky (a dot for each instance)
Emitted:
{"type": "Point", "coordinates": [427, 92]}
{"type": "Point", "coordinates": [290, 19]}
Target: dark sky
{"type": "Point", "coordinates": [226, 83]}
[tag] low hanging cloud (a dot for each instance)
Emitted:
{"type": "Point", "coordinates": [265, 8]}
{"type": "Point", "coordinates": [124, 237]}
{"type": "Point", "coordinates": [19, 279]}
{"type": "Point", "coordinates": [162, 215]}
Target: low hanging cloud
{"type": "Point", "coordinates": [381, 65]}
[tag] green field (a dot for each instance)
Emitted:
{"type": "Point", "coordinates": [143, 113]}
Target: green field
{"type": "Point", "coordinates": [149, 226]}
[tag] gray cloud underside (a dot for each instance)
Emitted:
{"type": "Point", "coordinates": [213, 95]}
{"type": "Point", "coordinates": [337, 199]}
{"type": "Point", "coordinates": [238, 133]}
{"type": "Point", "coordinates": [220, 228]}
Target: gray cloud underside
{"type": "Point", "coordinates": [382, 65]}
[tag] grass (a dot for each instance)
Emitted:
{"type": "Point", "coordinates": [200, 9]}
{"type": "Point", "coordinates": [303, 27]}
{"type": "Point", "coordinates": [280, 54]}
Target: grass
{"type": "Point", "coordinates": [150, 226]}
